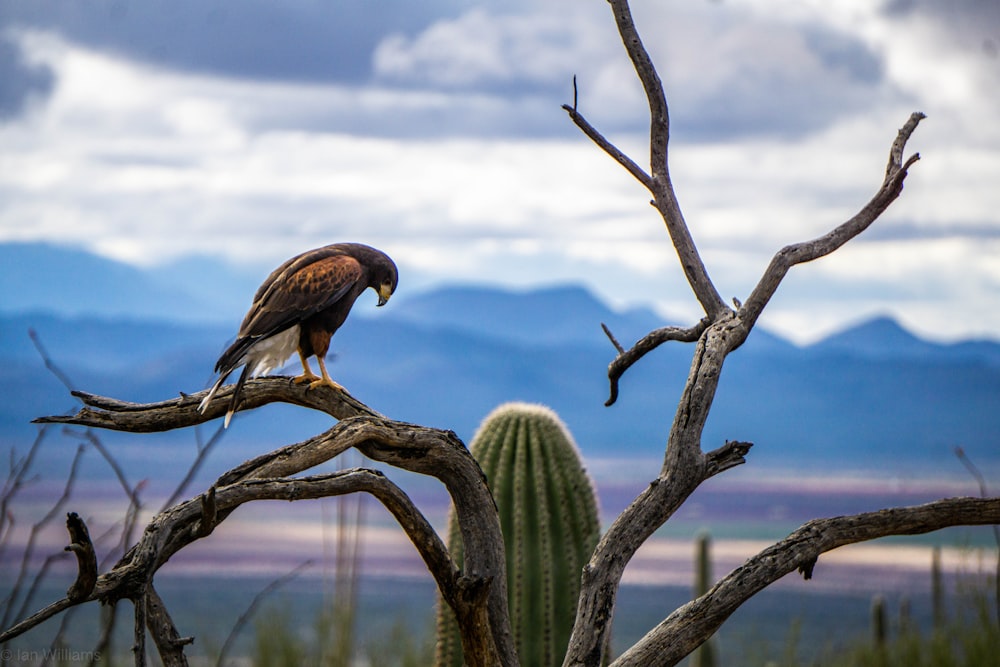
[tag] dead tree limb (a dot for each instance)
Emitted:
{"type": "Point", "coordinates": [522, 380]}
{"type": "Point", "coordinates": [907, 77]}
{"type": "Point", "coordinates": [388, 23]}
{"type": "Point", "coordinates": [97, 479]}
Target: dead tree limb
{"type": "Point", "coordinates": [646, 344]}
{"type": "Point", "coordinates": [806, 251]}
{"type": "Point", "coordinates": [658, 180]}
{"type": "Point", "coordinates": [676, 636]}
{"type": "Point", "coordinates": [478, 594]}
{"type": "Point", "coordinates": [86, 558]}
{"type": "Point", "coordinates": [116, 415]}
{"type": "Point", "coordinates": [685, 465]}
{"type": "Point", "coordinates": [169, 643]}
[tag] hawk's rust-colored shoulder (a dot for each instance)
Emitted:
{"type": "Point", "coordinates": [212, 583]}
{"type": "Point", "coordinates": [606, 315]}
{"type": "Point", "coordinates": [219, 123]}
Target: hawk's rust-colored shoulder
{"type": "Point", "coordinates": [324, 276]}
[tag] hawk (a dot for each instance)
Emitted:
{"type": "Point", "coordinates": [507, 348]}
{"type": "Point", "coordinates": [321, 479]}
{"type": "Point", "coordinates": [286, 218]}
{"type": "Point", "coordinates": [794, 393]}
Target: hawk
{"type": "Point", "coordinates": [298, 309]}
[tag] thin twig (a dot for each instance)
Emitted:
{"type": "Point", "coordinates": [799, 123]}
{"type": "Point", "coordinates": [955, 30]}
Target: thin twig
{"type": "Point", "coordinates": [29, 548]}
{"type": "Point", "coordinates": [203, 451]}
{"type": "Point", "coordinates": [251, 609]}
{"type": "Point", "coordinates": [47, 360]}
{"type": "Point", "coordinates": [594, 135]}
{"type": "Point", "coordinates": [611, 337]}
{"type": "Point", "coordinates": [18, 470]}
{"type": "Point", "coordinates": [984, 492]}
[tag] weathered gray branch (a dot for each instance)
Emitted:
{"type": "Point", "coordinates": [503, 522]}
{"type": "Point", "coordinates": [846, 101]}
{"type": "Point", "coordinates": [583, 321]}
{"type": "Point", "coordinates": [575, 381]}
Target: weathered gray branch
{"type": "Point", "coordinates": [169, 643]}
{"type": "Point", "coordinates": [685, 465]}
{"type": "Point", "coordinates": [86, 558]}
{"type": "Point", "coordinates": [658, 180]}
{"type": "Point", "coordinates": [608, 147]}
{"type": "Point", "coordinates": [646, 344]}
{"type": "Point", "coordinates": [679, 634]}
{"type": "Point", "coordinates": [478, 595]}
{"type": "Point", "coordinates": [806, 251]}
{"type": "Point", "coordinates": [116, 415]}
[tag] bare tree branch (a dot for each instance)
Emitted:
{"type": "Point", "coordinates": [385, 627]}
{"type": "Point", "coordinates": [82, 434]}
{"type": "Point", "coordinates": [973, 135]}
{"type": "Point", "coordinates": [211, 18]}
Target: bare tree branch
{"type": "Point", "coordinates": [29, 548]}
{"type": "Point", "coordinates": [807, 251]}
{"type": "Point", "coordinates": [169, 643]}
{"type": "Point", "coordinates": [81, 546]}
{"type": "Point", "coordinates": [607, 146]}
{"type": "Point", "coordinates": [419, 449]}
{"type": "Point", "coordinates": [674, 638]}
{"type": "Point", "coordinates": [658, 180]}
{"type": "Point", "coordinates": [663, 190]}
{"type": "Point", "coordinates": [646, 344]}
{"type": "Point", "coordinates": [116, 415]}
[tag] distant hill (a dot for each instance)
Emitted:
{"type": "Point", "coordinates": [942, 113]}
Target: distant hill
{"type": "Point", "coordinates": [883, 338]}
{"type": "Point", "coordinates": [543, 316]}
{"type": "Point", "coordinates": [873, 397]}
{"type": "Point", "coordinates": [40, 277]}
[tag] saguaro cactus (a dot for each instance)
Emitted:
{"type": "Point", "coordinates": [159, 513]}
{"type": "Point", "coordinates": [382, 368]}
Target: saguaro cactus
{"type": "Point", "coordinates": [548, 513]}
{"type": "Point", "coordinates": [937, 589]}
{"type": "Point", "coordinates": [880, 621]}
{"type": "Point", "coordinates": [705, 655]}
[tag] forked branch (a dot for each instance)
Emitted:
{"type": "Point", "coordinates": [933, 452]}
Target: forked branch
{"type": "Point", "coordinates": [806, 251]}
{"type": "Point", "coordinates": [658, 180]}
{"type": "Point", "coordinates": [685, 465]}
{"type": "Point", "coordinates": [478, 594]}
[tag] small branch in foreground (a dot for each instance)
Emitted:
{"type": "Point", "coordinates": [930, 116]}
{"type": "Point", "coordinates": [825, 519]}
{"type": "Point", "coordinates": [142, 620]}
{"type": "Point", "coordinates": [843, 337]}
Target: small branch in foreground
{"type": "Point", "coordinates": [169, 642]}
{"type": "Point", "coordinates": [730, 455]}
{"type": "Point", "coordinates": [29, 549]}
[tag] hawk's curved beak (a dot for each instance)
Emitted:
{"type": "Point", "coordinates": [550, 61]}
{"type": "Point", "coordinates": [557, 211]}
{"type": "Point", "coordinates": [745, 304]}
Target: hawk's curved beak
{"type": "Point", "coordinates": [383, 296]}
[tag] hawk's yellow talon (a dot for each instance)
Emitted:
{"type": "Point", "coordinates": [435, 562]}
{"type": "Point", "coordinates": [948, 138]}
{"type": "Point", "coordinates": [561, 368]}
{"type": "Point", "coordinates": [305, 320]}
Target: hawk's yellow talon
{"type": "Point", "coordinates": [311, 378]}
{"type": "Point", "coordinates": [324, 382]}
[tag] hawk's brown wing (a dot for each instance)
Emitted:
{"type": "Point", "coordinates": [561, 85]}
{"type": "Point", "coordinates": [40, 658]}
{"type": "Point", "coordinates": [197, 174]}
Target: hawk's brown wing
{"type": "Point", "coordinates": [308, 284]}
{"type": "Point", "coordinates": [299, 288]}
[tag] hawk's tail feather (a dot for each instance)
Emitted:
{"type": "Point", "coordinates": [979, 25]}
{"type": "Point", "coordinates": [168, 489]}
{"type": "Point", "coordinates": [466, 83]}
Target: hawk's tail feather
{"type": "Point", "coordinates": [234, 402]}
{"type": "Point", "coordinates": [211, 392]}
{"type": "Point", "coordinates": [234, 354]}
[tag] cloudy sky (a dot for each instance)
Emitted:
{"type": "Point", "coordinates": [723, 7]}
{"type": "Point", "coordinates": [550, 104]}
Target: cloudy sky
{"type": "Point", "coordinates": [253, 130]}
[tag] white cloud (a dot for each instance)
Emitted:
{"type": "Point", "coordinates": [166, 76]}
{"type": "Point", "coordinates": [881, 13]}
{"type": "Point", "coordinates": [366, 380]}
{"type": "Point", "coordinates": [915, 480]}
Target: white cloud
{"type": "Point", "coordinates": [147, 164]}
{"type": "Point", "coordinates": [484, 47]}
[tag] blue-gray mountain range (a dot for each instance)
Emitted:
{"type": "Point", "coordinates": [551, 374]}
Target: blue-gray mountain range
{"type": "Point", "coordinates": [870, 398]}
